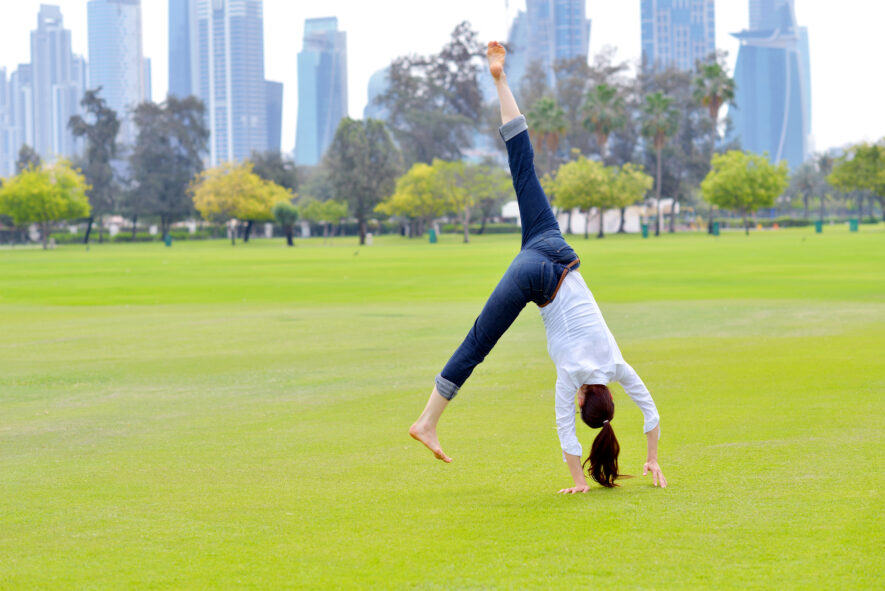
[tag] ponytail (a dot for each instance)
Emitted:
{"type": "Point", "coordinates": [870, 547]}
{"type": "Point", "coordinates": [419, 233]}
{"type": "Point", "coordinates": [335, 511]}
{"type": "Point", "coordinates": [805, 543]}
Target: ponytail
{"type": "Point", "coordinates": [603, 457]}
{"type": "Point", "coordinates": [598, 409]}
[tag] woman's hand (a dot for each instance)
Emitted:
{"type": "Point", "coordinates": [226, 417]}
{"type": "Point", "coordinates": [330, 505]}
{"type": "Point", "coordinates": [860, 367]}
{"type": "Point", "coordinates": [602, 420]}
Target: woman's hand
{"type": "Point", "coordinates": [652, 466]}
{"type": "Point", "coordinates": [581, 488]}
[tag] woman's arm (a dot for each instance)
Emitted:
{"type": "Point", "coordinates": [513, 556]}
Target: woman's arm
{"type": "Point", "coordinates": [651, 461]}
{"type": "Point", "coordinates": [577, 471]}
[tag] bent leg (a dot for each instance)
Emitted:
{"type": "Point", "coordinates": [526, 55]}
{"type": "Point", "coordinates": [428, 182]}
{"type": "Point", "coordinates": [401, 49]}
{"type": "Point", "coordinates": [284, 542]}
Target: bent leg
{"type": "Point", "coordinates": [503, 306]}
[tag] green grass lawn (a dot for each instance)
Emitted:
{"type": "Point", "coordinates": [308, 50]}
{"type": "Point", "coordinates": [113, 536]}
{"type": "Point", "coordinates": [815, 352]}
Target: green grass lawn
{"type": "Point", "coordinates": [208, 416]}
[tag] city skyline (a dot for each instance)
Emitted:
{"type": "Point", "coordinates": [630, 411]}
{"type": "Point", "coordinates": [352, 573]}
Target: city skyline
{"type": "Point", "coordinates": [837, 68]}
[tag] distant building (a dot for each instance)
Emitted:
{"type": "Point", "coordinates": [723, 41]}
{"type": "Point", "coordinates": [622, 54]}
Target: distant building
{"type": "Point", "coordinates": [548, 30]}
{"type": "Point", "coordinates": [7, 162]}
{"type": "Point", "coordinates": [55, 91]}
{"type": "Point", "coordinates": [678, 33]}
{"type": "Point", "coordinates": [274, 115]}
{"type": "Point", "coordinates": [116, 59]}
{"type": "Point", "coordinates": [322, 88]}
{"type": "Point", "coordinates": [21, 108]}
{"type": "Point", "coordinates": [228, 75]}
{"type": "Point", "coordinates": [378, 84]}
{"type": "Point", "coordinates": [147, 80]}
{"type": "Point", "coordinates": [773, 80]}
{"type": "Point", "coordinates": [182, 51]}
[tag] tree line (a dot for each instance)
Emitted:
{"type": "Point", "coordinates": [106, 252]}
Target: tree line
{"type": "Point", "coordinates": [596, 131]}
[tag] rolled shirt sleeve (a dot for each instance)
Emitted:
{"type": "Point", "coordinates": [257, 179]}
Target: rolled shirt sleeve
{"type": "Point", "coordinates": [635, 389]}
{"type": "Point", "coordinates": [565, 416]}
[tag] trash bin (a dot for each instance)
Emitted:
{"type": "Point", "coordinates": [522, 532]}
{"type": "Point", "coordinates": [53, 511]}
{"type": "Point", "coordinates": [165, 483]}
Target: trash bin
{"type": "Point", "coordinates": [167, 239]}
{"type": "Point", "coordinates": [645, 230]}
{"type": "Point", "coordinates": [715, 228]}
{"type": "Point", "coordinates": [432, 236]}
{"type": "Point", "coordinates": [818, 226]}
{"type": "Point", "coordinates": [852, 224]}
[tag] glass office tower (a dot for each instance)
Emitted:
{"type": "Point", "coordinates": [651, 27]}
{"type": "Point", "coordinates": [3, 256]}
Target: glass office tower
{"type": "Point", "coordinates": [322, 88]}
{"type": "Point", "coordinates": [229, 67]}
{"type": "Point", "coordinates": [55, 91]}
{"type": "Point", "coordinates": [116, 60]}
{"type": "Point", "coordinates": [548, 30]}
{"type": "Point", "coordinates": [677, 33]}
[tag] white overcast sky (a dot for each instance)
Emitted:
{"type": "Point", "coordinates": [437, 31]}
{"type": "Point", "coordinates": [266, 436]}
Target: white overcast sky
{"type": "Point", "coordinates": [848, 90]}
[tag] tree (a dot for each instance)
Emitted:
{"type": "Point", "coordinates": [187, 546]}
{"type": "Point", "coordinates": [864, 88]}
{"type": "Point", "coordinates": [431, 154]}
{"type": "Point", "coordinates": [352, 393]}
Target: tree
{"type": "Point", "coordinates": [168, 154]}
{"type": "Point", "coordinates": [604, 109]}
{"type": "Point", "coordinates": [101, 149]}
{"type": "Point", "coordinates": [547, 125]}
{"type": "Point", "coordinates": [583, 184]}
{"type": "Point", "coordinates": [744, 182]}
{"type": "Point", "coordinates": [713, 88]}
{"type": "Point", "coordinates": [491, 187]}
{"type": "Point", "coordinates": [660, 123]}
{"type": "Point", "coordinates": [272, 166]}
{"type": "Point", "coordinates": [630, 185]}
{"type": "Point", "coordinates": [233, 191]}
{"type": "Point", "coordinates": [27, 158]}
{"type": "Point", "coordinates": [363, 164]}
{"type": "Point", "coordinates": [325, 213]}
{"type": "Point", "coordinates": [434, 103]}
{"type": "Point", "coordinates": [417, 197]}
{"type": "Point", "coordinates": [805, 182]}
{"type": "Point", "coordinates": [44, 195]}
{"type": "Point", "coordinates": [453, 180]}
{"type": "Point", "coordinates": [861, 168]}
{"type": "Point", "coordinates": [286, 215]}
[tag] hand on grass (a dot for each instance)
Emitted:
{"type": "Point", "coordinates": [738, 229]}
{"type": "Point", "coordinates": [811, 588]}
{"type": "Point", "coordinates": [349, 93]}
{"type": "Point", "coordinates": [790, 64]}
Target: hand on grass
{"type": "Point", "coordinates": [581, 488]}
{"type": "Point", "coordinates": [655, 472]}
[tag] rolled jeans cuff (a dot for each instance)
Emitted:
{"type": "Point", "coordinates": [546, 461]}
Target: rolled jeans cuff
{"type": "Point", "coordinates": [513, 128]}
{"type": "Point", "coordinates": [446, 388]}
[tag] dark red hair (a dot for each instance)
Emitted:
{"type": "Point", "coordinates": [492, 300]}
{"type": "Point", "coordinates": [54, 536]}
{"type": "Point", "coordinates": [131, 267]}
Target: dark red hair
{"type": "Point", "coordinates": [598, 409]}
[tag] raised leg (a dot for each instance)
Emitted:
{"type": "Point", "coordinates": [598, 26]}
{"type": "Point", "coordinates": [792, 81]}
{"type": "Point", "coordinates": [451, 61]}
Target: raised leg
{"type": "Point", "coordinates": [534, 207]}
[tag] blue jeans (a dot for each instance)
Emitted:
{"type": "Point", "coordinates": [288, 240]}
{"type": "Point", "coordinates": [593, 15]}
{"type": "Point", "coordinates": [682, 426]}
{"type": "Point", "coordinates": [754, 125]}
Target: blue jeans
{"type": "Point", "coordinates": [534, 275]}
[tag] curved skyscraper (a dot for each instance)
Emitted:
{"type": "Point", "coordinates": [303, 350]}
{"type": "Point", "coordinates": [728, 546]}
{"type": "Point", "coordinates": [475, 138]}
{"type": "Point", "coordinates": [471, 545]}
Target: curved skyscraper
{"type": "Point", "coordinates": [772, 113]}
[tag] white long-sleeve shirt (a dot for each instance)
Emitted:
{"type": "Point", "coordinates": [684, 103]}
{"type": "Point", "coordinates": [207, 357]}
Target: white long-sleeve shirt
{"type": "Point", "coordinates": [585, 352]}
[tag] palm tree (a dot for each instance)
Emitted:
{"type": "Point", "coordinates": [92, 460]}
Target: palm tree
{"type": "Point", "coordinates": [805, 182]}
{"type": "Point", "coordinates": [660, 122]}
{"type": "Point", "coordinates": [713, 88]}
{"type": "Point", "coordinates": [605, 113]}
{"type": "Point", "coordinates": [548, 125]}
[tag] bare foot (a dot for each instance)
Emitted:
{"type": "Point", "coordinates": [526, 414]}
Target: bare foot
{"type": "Point", "coordinates": [427, 436]}
{"type": "Point", "coordinates": [496, 55]}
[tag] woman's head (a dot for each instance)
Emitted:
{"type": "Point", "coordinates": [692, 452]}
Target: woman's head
{"type": "Point", "coordinates": [597, 410]}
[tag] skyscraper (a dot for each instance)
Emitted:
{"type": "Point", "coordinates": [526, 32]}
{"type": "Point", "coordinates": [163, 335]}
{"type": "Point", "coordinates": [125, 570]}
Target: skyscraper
{"type": "Point", "coordinates": [322, 88]}
{"type": "Point", "coordinates": [55, 91]}
{"type": "Point", "coordinates": [378, 85]}
{"type": "Point", "coordinates": [182, 52]}
{"type": "Point", "coordinates": [773, 80]}
{"type": "Point", "coordinates": [678, 33]}
{"type": "Point", "coordinates": [7, 163]}
{"type": "Point", "coordinates": [228, 75]}
{"type": "Point", "coordinates": [274, 115]}
{"type": "Point", "coordinates": [21, 107]}
{"type": "Point", "coordinates": [548, 30]}
{"type": "Point", "coordinates": [116, 61]}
